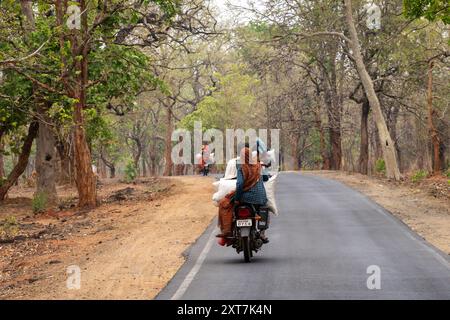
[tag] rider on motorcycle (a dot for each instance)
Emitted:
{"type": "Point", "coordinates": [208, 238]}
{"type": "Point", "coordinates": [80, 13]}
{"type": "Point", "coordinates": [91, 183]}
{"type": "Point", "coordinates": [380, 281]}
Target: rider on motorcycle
{"type": "Point", "coordinates": [249, 170]}
{"type": "Point", "coordinates": [249, 185]}
{"type": "Point", "coordinates": [249, 189]}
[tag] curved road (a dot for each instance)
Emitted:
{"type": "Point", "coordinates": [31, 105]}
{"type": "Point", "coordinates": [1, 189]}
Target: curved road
{"type": "Point", "coordinates": [322, 244]}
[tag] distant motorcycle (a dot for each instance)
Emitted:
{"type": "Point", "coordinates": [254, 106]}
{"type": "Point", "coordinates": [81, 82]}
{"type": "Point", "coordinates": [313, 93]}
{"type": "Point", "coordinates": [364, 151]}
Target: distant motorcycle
{"type": "Point", "coordinates": [248, 222]}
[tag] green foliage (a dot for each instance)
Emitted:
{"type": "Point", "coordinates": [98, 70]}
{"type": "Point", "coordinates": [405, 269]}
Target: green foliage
{"type": "Point", "coordinates": [380, 166]}
{"type": "Point", "coordinates": [39, 202]}
{"type": "Point", "coordinates": [130, 172]}
{"type": "Point", "coordinates": [116, 72]}
{"type": "Point", "coordinates": [15, 90]}
{"type": "Point", "coordinates": [9, 227]}
{"type": "Point", "coordinates": [419, 175]}
{"type": "Point", "coordinates": [430, 9]}
{"type": "Point", "coordinates": [126, 70]}
{"type": "Point", "coordinates": [230, 106]}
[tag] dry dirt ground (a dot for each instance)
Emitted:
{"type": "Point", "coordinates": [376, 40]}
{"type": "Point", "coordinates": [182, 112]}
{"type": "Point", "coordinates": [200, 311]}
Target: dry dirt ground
{"type": "Point", "coordinates": [127, 248]}
{"type": "Point", "coordinates": [424, 206]}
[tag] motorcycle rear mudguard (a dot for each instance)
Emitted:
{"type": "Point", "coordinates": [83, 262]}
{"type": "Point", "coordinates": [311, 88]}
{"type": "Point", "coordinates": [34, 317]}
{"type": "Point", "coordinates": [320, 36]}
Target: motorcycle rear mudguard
{"type": "Point", "coordinates": [245, 231]}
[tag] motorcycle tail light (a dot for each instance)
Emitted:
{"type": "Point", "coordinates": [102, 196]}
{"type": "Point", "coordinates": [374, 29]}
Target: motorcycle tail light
{"type": "Point", "coordinates": [244, 212]}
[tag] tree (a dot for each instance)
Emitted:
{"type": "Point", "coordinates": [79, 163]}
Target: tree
{"type": "Point", "coordinates": [388, 147]}
{"type": "Point", "coordinates": [432, 10]}
{"type": "Point", "coordinates": [45, 140]}
{"type": "Point", "coordinates": [229, 106]}
{"type": "Point", "coordinates": [65, 77]}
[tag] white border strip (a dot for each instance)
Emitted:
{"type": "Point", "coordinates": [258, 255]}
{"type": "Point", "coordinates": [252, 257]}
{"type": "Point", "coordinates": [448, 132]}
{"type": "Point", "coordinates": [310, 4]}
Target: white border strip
{"type": "Point", "coordinates": [191, 275]}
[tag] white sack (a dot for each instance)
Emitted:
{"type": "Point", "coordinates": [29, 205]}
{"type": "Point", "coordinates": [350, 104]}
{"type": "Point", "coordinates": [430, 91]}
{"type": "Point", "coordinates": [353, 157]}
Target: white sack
{"type": "Point", "coordinates": [270, 192]}
{"type": "Point", "coordinates": [225, 187]}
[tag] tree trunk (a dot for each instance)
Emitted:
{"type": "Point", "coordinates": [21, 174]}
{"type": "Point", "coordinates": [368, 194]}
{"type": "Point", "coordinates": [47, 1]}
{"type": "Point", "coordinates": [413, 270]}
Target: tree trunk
{"type": "Point", "coordinates": [168, 151]}
{"type": "Point", "coordinates": [377, 149]}
{"type": "Point", "coordinates": [144, 167]}
{"type": "Point", "coordinates": [364, 144]}
{"type": "Point", "coordinates": [22, 162]}
{"type": "Point", "coordinates": [388, 147]}
{"type": "Point", "coordinates": [434, 135]}
{"type": "Point", "coordinates": [2, 164]}
{"type": "Point", "coordinates": [323, 150]}
{"type": "Point", "coordinates": [110, 165]}
{"type": "Point", "coordinates": [442, 149]}
{"type": "Point", "coordinates": [392, 127]}
{"type": "Point", "coordinates": [153, 158]}
{"type": "Point", "coordinates": [46, 159]}
{"type": "Point", "coordinates": [66, 172]}
{"type": "Point", "coordinates": [336, 150]}
{"type": "Point", "coordinates": [137, 156]}
{"type": "Point", "coordinates": [334, 122]}
{"type": "Point", "coordinates": [102, 168]}
{"type": "Point", "coordinates": [295, 151]}
{"type": "Point", "coordinates": [27, 11]}
{"type": "Point", "coordinates": [45, 142]}
{"type": "Point", "coordinates": [85, 178]}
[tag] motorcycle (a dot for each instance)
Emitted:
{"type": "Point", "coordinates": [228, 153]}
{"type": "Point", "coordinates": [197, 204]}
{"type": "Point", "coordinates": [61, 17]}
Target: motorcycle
{"type": "Point", "coordinates": [248, 222]}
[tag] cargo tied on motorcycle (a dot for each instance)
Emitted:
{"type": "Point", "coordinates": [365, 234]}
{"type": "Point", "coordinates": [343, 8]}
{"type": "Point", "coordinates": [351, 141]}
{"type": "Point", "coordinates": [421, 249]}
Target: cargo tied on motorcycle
{"type": "Point", "coordinates": [225, 186]}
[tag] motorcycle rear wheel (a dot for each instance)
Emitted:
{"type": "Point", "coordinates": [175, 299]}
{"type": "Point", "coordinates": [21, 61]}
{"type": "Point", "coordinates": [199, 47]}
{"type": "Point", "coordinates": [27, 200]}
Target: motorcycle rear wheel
{"type": "Point", "coordinates": [246, 248]}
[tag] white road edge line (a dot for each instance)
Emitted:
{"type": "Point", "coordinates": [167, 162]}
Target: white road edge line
{"type": "Point", "coordinates": [191, 275]}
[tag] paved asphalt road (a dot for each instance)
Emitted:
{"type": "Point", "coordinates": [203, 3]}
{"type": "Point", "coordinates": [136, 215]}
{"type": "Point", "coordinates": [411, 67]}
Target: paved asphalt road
{"type": "Point", "coordinates": [321, 245]}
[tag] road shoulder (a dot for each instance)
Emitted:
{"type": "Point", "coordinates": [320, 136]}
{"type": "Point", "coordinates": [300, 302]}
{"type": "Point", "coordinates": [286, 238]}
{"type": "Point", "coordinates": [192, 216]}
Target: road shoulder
{"type": "Point", "coordinates": [126, 250]}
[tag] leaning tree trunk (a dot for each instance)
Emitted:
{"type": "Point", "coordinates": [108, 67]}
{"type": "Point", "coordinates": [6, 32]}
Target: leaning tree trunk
{"type": "Point", "coordinates": [364, 144]}
{"type": "Point", "coordinates": [168, 151]}
{"type": "Point", "coordinates": [22, 163]}
{"type": "Point", "coordinates": [435, 140]}
{"type": "Point", "coordinates": [109, 164]}
{"type": "Point", "coordinates": [45, 159]}
{"type": "Point", "coordinates": [388, 147]}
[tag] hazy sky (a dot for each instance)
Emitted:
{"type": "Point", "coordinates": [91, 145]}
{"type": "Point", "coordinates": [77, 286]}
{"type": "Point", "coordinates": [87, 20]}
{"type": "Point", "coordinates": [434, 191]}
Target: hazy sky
{"type": "Point", "coordinates": [227, 14]}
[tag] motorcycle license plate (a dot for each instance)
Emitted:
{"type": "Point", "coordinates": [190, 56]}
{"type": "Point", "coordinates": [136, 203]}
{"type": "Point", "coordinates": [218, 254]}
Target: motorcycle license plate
{"type": "Point", "coordinates": [244, 223]}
